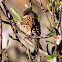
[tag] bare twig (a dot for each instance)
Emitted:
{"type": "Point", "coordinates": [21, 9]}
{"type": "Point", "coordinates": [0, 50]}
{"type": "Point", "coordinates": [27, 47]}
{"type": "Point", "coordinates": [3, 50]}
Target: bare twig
{"type": "Point", "coordinates": [43, 9]}
{"type": "Point", "coordinates": [0, 38]}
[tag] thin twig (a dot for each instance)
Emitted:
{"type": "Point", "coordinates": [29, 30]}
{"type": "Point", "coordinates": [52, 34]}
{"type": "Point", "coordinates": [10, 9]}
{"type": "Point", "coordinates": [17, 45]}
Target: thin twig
{"type": "Point", "coordinates": [43, 9]}
{"type": "Point", "coordinates": [0, 38]}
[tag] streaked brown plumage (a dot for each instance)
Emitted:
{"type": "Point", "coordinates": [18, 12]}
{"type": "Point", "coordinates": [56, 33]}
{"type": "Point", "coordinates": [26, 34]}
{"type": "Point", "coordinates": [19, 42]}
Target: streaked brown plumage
{"type": "Point", "coordinates": [30, 22]}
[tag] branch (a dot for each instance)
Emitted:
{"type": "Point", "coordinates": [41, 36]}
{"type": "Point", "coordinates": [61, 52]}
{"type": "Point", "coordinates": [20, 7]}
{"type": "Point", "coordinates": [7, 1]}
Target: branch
{"type": "Point", "coordinates": [44, 10]}
{"type": "Point", "coordinates": [0, 38]}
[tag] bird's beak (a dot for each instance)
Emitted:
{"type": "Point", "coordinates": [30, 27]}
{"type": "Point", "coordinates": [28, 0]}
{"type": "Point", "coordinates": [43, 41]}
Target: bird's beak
{"type": "Point", "coordinates": [26, 7]}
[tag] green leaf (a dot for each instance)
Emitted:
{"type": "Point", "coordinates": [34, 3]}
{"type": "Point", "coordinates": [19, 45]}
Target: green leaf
{"type": "Point", "coordinates": [50, 30]}
{"type": "Point", "coordinates": [13, 11]}
{"type": "Point", "coordinates": [3, 23]}
{"type": "Point", "coordinates": [57, 2]}
{"type": "Point", "coordinates": [28, 54]}
{"type": "Point", "coordinates": [51, 20]}
{"type": "Point", "coordinates": [15, 20]}
{"type": "Point", "coordinates": [0, 58]}
{"type": "Point", "coordinates": [7, 43]}
{"type": "Point", "coordinates": [49, 1]}
{"type": "Point", "coordinates": [11, 37]}
{"type": "Point", "coordinates": [35, 14]}
{"type": "Point", "coordinates": [60, 56]}
{"type": "Point", "coordinates": [38, 18]}
{"type": "Point", "coordinates": [49, 56]}
{"type": "Point", "coordinates": [53, 4]}
{"type": "Point", "coordinates": [49, 42]}
{"type": "Point", "coordinates": [60, 1]}
{"type": "Point", "coordinates": [49, 34]}
{"type": "Point", "coordinates": [49, 9]}
{"type": "Point", "coordinates": [6, 20]}
{"type": "Point", "coordinates": [60, 60]}
{"type": "Point", "coordinates": [50, 60]}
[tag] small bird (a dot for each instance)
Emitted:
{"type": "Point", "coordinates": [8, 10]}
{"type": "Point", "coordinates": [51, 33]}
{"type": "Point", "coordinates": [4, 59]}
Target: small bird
{"type": "Point", "coordinates": [30, 22]}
